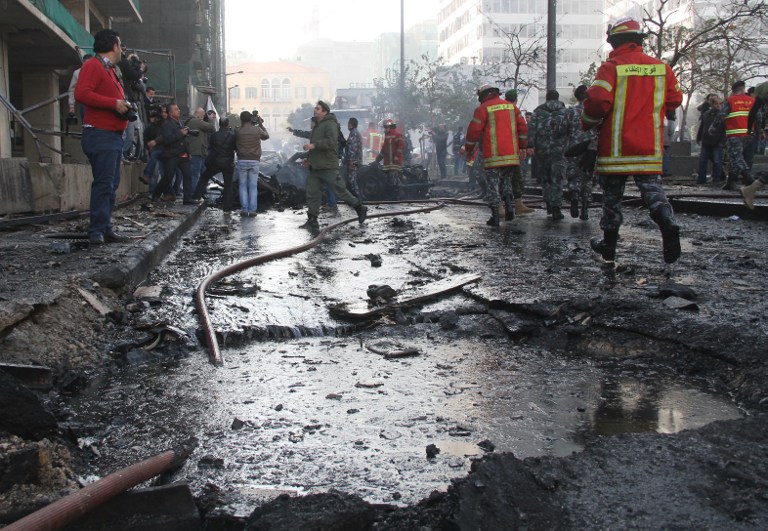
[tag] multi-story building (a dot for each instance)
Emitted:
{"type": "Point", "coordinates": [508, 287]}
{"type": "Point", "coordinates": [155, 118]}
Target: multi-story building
{"type": "Point", "coordinates": [474, 32]}
{"type": "Point", "coordinates": [41, 44]}
{"type": "Point", "coordinates": [276, 89]}
{"type": "Point", "coordinates": [183, 42]}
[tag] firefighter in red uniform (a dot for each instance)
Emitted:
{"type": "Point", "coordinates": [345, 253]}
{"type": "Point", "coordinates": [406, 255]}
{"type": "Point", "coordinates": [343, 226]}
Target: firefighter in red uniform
{"type": "Point", "coordinates": [392, 154]}
{"type": "Point", "coordinates": [628, 100]}
{"type": "Point", "coordinates": [501, 128]}
{"type": "Point", "coordinates": [738, 138]}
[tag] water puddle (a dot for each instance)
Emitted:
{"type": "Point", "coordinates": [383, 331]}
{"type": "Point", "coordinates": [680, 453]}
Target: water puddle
{"type": "Point", "coordinates": [319, 413]}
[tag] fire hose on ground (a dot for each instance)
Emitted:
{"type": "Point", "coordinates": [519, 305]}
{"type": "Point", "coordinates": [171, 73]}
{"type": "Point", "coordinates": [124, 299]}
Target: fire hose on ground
{"type": "Point", "coordinates": [76, 505]}
{"type": "Point", "coordinates": [214, 351]}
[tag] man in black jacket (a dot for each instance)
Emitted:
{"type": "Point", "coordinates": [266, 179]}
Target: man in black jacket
{"type": "Point", "coordinates": [221, 158]}
{"type": "Point", "coordinates": [711, 141]}
{"type": "Point", "coordinates": [173, 139]}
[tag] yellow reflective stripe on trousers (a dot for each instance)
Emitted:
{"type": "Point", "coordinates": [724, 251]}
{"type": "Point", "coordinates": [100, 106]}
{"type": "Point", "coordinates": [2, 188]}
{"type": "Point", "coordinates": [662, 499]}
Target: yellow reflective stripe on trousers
{"type": "Point", "coordinates": [736, 132]}
{"type": "Point", "coordinates": [623, 74]}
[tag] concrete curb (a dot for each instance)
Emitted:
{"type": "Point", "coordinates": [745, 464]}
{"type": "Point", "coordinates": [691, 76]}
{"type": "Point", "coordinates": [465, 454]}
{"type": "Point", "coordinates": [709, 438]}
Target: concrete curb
{"type": "Point", "coordinates": [140, 260]}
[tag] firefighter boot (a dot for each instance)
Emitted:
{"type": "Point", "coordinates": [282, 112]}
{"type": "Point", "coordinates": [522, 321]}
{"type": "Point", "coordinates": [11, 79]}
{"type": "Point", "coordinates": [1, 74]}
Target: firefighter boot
{"type": "Point", "coordinates": [556, 213]}
{"type": "Point", "coordinates": [749, 193]}
{"type": "Point", "coordinates": [607, 246]}
{"type": "Point", "coordinates": [362, 213]}
{"type": "Point", "coordinates": [746, 178]}
{"type": "Point", "coordinates": [670, 233]}
{"type": "Point", "coordinates": [509, 210]}
{"type": "Point", "coordinates": [493, 221]}
{"type": "Point", "coordinates": [520, 208]}
{"type": "Point", "coordinates": [311, 224]}
{"type": "Point", "coordinates": [730, 183]}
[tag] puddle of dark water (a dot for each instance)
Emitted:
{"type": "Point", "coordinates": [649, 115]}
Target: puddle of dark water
{"type": "Point", "coordinates": [321, 413]}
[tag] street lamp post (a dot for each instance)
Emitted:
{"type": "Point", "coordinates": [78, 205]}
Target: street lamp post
{"type": "Point", "coordinates": [229, 97]}
{"type": "Point", "coordinates": [230, 88]}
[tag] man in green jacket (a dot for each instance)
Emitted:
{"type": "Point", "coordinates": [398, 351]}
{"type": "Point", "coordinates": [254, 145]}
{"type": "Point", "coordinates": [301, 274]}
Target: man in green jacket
{"type": "Point", "coordinates": [323, 151]}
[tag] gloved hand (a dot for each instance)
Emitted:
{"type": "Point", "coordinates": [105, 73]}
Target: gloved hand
{"type": "Point", "coordinates": [588, 160]}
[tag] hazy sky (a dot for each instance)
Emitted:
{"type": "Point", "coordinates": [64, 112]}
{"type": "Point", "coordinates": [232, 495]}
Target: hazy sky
{"type": "Point", "coordinates": [272, 29]}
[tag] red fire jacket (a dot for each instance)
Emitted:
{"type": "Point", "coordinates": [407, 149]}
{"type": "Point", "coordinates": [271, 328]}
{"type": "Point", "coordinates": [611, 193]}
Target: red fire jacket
{"type": "Point", "coordinates": [631, 94]}
{"type": "Point", "coordinates": [392, 151]}
{"type": "Point", "coordinates": [502, 128]}
{"type": "Point", "coordinates": [736, 120]}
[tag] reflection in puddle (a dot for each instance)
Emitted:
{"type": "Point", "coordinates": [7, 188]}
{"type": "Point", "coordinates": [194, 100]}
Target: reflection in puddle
{"type": "Point", "coordinates": [636, 406]}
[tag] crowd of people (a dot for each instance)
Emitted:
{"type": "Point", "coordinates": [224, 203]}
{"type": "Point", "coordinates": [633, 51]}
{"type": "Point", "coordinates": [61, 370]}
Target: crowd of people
{"type": "Point", "coordinates": [602, 138]}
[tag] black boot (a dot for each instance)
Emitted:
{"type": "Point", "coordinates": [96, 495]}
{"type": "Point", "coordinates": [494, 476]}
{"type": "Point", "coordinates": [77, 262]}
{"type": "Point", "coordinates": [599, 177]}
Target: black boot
{"type": "Point", "coordinates": [509, 210]}
{"type": "Point", "coordinates": [607, 246]}
{"type": "Point", "coordinates": [362, 212]}
{"type": "Point", "coordinates": [556, 213]}
{"type": "Point", "coordinates": [493, 221]}
{"type": "Point", "coordinates": [311, 224]}
{"type": "Point", "coordinates": [746, 178]}
{"type": "Point", "coordinates": [670, 233]}
{"type": "Point", "coordinates": [730, 183]}
{"type": "Point", "coordinates": [574, 207]}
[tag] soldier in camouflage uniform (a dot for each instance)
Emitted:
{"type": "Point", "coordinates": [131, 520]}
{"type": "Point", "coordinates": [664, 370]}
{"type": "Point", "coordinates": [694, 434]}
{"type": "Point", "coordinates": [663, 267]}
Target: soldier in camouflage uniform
{"type": "Point", "coordinates": [353, 157]}
{"type": "Point", "coordinates": [548, 149]}
{"type": "Point", "coordinates": [516, 191]}
{"type": "Point", "coordinates": [579, 179]}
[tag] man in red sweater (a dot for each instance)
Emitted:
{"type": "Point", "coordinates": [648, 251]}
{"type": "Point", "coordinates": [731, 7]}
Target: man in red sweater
{"type": "Point", "coordinates": [100, 93]}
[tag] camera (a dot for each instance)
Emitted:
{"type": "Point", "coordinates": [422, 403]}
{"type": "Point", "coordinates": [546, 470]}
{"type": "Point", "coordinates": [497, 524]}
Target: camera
{"type": "Point", "coordinates": [193, 132]}
{"type": "Point", "coordinates": [255, 118]}
{"type": "Point", "coordinates": [132, 114]}
{"type": "Point", "coordinates": [71, 119]}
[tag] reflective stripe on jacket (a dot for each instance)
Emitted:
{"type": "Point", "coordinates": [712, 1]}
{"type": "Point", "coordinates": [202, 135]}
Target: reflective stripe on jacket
{"type": "Point", "coordinates": [502, 129]}
{"type": "Point", "coordinates": [738, 115]}
{"type": "Point", "coordinates": [629, 98]}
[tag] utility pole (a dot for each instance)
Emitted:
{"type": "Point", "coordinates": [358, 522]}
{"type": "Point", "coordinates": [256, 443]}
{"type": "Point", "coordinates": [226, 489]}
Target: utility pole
{"type": "Point", "coordinates": [551, 44]}
{"type": "Point", "coordinates": [402, 64]}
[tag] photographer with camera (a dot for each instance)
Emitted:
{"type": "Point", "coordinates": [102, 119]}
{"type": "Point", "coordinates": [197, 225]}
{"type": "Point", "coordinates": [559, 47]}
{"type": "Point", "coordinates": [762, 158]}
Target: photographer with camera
{"type": "Point", "coordinates": [132, 76]}
{"type": "Point", "coordinates": [221, 158]}
{"type": "Point", "coordinates": [248, 140]}
{"type": "Point", "coordinates": [175, 155]}
{"type": "Point", "coordinates": [198, 145]}
{"type": "Point", "coordinates": [100, 92]}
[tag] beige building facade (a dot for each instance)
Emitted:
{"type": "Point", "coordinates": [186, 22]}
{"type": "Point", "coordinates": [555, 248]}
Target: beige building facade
{"type": "Point", "coordinates": [276, 89]}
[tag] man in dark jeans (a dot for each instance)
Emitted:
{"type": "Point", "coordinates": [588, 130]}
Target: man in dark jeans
{"type": "Point", "coordinates": [221, 158]}
{"type": "Point", "coordinates": [440, 138]}
{"type": "Point", "coordinates": [711, 139]}
{"type": "Point", "coordinates": [99, 91]}
{"type": "Point", "coordinates": [175, 156]}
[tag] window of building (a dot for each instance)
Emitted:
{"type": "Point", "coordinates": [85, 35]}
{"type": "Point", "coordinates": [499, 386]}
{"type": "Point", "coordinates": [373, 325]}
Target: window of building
{"type": "Point", "coordinates": [234, 93]}
{"type": "Point", "coordinates": [265, 91]}
{"type": "Point", "coordinates": [275, 89]}
{"type": "Point", "coordinates": [301, 92]}
{"type": "Point", "coordinates": [317, 92]}
{"type": "Point", "coordinates": [285, 90]}
{"type": "Point", "coordinates": [251, 92]}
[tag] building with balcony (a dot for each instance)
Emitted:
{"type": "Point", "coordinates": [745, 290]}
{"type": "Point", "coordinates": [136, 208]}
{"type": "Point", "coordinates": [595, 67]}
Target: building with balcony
{"type": "Point", "coordinates": [183, 43]}
{"type": "Point", "coordinates": [41, 43]}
